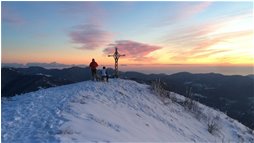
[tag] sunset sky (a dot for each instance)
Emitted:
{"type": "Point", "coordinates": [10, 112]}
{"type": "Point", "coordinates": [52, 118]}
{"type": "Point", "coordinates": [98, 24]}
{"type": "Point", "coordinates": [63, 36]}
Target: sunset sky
{"type": "Point", "coordinates": [217, 33]}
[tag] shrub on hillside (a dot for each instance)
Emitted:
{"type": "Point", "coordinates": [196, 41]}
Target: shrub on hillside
{"type": "Point", "coordinates": [213, 126]}
{"type": "Point", "coordinates": [157, 87]}
{"type": "Point", "coordinates": [189, 103]}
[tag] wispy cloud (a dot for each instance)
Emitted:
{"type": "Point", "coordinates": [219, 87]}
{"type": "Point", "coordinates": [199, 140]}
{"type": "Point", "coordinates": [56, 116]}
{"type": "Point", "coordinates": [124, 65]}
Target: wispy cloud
{"type": "Point", "coordinates": [183, 11]}
{"type": "Point", "coordinates": [11, 16]}
{"type": "Point", "coordinates": [135, 51]}
{"type": "Point", "coordinates": [202, 48]}
{"type": "Point", "coordinates": [191, 9]}
{"type": "Point", "coordinates": [90, 36]}
{"type": "Point", "coordinates": [91, 12]}
{"type": "Point", "coordinates": [199, 40]}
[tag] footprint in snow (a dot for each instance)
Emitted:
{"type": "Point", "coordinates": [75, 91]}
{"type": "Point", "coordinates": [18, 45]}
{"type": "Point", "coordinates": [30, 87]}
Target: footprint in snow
{"type": "Point", "coordinates": [104, 123]}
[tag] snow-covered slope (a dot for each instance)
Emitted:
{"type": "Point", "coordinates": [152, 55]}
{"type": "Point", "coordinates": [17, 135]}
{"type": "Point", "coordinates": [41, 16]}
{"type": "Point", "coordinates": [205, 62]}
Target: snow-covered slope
{"type": "Point", "coordinates": [121, 110]}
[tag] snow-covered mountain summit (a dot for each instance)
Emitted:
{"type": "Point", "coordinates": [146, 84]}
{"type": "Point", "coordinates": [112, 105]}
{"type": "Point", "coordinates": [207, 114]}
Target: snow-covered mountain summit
{"type": "Point", "coordinates": [121, 110]}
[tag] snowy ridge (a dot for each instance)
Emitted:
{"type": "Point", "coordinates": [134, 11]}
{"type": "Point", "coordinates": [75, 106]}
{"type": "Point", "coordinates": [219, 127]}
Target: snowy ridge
{"type": "Point", "coordinates": [119, 111]}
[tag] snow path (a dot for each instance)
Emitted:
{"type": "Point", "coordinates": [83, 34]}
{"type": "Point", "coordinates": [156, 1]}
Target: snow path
{"type": "Point", "coordinates": [119, 111]}
{"type": "Point", "coordinates": [35, 116]}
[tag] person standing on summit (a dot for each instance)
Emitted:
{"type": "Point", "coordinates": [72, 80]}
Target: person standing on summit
{"type": "Point", "coordinates": [93, 65]}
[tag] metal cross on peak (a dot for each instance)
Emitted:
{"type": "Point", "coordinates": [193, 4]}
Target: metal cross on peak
{"type": "Point", "coordinates": [116, 56]}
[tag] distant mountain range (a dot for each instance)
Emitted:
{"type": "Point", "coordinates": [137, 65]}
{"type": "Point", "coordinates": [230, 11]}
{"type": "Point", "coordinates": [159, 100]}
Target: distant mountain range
{"type": "Point", "coordinates": [233, 95]}
{"type": "Point", "coordinates": [251, 76]}
{"type": "Point", "coordinates": [23, 80]}
{"type": "Point", "coordinates": [44, 65]}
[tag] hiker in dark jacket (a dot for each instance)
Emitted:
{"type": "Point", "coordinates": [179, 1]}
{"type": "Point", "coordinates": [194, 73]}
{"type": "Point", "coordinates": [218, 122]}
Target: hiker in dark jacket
{"type": "Point", "coordinates": [93, 65]}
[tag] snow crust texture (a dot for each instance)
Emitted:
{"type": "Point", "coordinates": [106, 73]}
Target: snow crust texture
{"type": "Point", "coordinates": [117, 111]}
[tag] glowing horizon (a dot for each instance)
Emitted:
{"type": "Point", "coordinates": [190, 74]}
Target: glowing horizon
{"type": "Point", "coordinates": [194, 33]}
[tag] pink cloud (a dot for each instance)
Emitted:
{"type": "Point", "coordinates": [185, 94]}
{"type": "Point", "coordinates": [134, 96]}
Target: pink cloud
{"type": "Point", "coordinates": [90, 36]}
{"type": "Point", "coordinates": [134, 50]}
{"type": "Point", "coordinates": [192, 33]}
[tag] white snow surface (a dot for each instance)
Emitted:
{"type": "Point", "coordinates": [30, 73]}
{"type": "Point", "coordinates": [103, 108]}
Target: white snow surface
{"type": "Point", "coordinates": [117, 111]}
